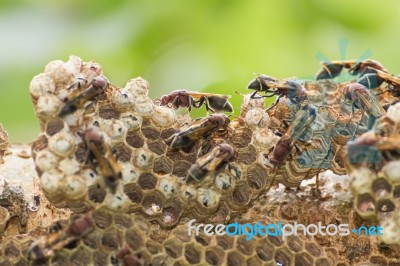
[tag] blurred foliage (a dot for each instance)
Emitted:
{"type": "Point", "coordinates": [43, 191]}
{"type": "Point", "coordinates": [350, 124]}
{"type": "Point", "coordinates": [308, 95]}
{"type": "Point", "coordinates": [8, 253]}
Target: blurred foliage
{"type": "Point", "coordinates": [196, 45]}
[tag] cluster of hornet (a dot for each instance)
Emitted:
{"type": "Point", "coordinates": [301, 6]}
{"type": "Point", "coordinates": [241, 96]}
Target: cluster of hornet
{"type": "Point", "coordinates": [133, 171]}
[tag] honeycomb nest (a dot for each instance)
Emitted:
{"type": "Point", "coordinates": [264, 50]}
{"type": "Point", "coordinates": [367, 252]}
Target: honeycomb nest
{"type": "Point", "coordinates": [132, 203]}
{"type": "Point", "coordinates": [136, 130]}
{"type": "Point", "coordinates": [153, 174]}
{"type": "Point", "coordinates": [376, 183]}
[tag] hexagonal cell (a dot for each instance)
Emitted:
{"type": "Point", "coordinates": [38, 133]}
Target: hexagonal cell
{"type": "Point", "coordinates": [147, 181]}
{"type": "Point", "coordinates": [143, 159]}
{"type": "Point", "coordinates": [123, 220]}
{"type": "Point", "coordinates": [123, 153]}
{"type": "Point", "coordinates": [135, 139]}
{"type": "Point", "coordinates": [313, 249]}
{"type": "Point", "coordinates": [93, 239]}
{"type": "Point", "coordinates": [256, 176]}
{"type": "Point", "coordinates": [244, 246]}
{"type": "Point", "coordinates": [193, 253]}
{"type": "Point", "coordinates": [80, 256]}
{"type": "Point", "coordinates": [162, 165]}
{"type": "Point", "coordinates": [294, 243]}
{"type": "Point", "coordinates": [303, 259]}
{"type": "Point", "coordinates": [54, 126]}
{"type": "Point", "coordinates": [241, 137]}
{"type": "Point", "coordinates": [173, 248]}
{"type": "Point", "coordinates": [235, 258]}
{"type": "Point", "coordinates": [225, 241]}
{"type": "Point", "coordinates": [153, 247]}
{"type": "Point", "coordinates": [153, 203]}
{"type": "Point", "coordinates": [171, 212]}
{"type": "Point", "coordinates": [157, 146]}
{"type": "Point", "coordinates": [99, 258]}
{"type": "Point", "coordinates": [224, 181]}
{"type": "Point", "coordinates": [108, 112]}
{"type": "Point", "coordinates": [102, 218]}
{"type": "Point", "coordinates": [96, 193]}
{"type": "Point", "coordinates": [166, 133]}
{"type": "Point", "coordinates": [381, 187]}
{"type": "Point", "coordinates": [150, 132]}
{"type": "Point", "coordinates": [247, 155]}
{"type": "Point", "coordinates": [365, 203]}
{"type": "Point", "coordinates": [169, 185]}
{"type": "Point", "coordinates": [208, 198]}
{"type": "Point", "coordinates": [284, 257]}
{"type": "Point", "coordinates": [134, 238]}
{"type": "Point", "coordinates": [241, 195]}
{"type": "Point", "coordinates": [133, 192]}
{"type": "Point", "coordinates": [215, 255]}
{"type": "Point", "coordinates": [385, 205]}
{"type": "Point", "coordinates": [109, 240]}
{"type": "Point", "coordinates": [180, 168]}
{"type": "Point", "coordinates": [203, 239]}
{"type": "Point", "coordinates": [131, 121]}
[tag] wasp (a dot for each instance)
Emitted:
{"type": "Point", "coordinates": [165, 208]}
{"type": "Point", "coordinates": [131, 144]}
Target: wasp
{"type": "Point", "coordinates": [188, 99]}
{"type": "Point", "coordinates": [109, 167]}
{"type": "Point", "coordinates": [301, 122]}
{"type": "Point", "coordinates": [262, 83]}
{"type": "Point", "coordinates": [212, 162]}
{"type": "Point", "coordinates": [201, 129]}
{"type": "Point", "coordinates": [98, 85]}
{"type": "Point", "coordinates": [375, 77]}
{"type": "Point", "coordinates": [333, 69]}
{"type": "Point", "coordinates": [363, 99]}
{"type": "Point", "coordinates": [58, 239]}
{"type": "Point", "coordinates": [370, 148]}
{"type": "Point", "coordinates": [292, 89]}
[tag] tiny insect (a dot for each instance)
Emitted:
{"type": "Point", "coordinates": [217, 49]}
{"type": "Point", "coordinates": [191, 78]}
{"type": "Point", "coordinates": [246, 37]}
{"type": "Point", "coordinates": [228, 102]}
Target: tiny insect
{"type": "Point", "coordinates": [188, 99]}
{"type": "Point", "coordinates": [213, 162]}
{"type": "Point", "coordinates": [98, 85]}
{"type": "Point", "coordinates": [302, 121]}
{"type": "Point", "coordinates": [201, 129]}
{"type": "Point", "coordinates": [99, 150]}
{"type": "Point", "coordinates": [48, 245]}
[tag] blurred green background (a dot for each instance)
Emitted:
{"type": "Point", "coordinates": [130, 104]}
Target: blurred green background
{"type": "Point", "coordinates": [209, 45]}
